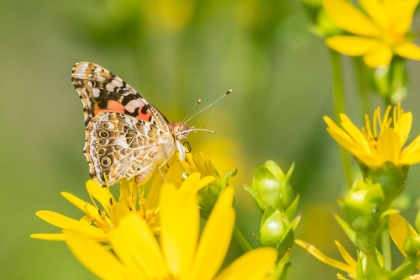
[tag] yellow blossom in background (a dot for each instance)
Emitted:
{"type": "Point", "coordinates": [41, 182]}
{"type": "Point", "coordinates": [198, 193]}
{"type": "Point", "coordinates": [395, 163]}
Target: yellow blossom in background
{"type": "Point", "coordinates": [172, 15]}
{"type": "Point", "coordinates": [378, 142]}
{"type": "Point", "coordinates": [180, 253]}
{"type": "Point", "coordinates": [350, 265]}
{"type": "Point", "coordinates": [379, 34]}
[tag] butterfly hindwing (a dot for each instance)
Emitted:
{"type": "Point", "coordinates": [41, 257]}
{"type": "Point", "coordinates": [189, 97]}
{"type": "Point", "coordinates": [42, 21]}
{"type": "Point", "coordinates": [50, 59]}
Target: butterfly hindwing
{"type": "Point", "coordinates": [120, 146]}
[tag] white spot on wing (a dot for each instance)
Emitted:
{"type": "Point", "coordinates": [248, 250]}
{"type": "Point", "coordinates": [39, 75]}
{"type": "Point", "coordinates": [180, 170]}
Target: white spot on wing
{"type": "Point", "coordinates": [96, 92]}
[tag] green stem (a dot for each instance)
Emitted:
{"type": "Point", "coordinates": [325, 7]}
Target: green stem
{"type": "Point", "coordinates": [338, 91]}
{"type": "Point", "coordinates": [240, 239]}
{"type": "Point", "coordinates": [361, 82]}
{"type": "Point", "coordinates": [386, 249]}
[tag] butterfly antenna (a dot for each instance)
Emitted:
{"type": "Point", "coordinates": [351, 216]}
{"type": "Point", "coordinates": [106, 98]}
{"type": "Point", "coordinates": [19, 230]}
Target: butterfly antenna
{"type": "Point", "coordinates": [192, 109]}
{"type": "Point", "coordinates": [211, 104]}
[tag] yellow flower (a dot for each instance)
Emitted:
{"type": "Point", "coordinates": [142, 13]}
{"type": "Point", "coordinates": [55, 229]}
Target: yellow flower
{"type": "Point", "coordinates": [349, 266]}
{"type": "Point", "coordinates": [379, 142]}
{"type": "Point", "coordinates": [384, 31]}
{"type": "Point", "coordinates": [99, 221]}
{"type": "Point", "coordinates": [180, 253]}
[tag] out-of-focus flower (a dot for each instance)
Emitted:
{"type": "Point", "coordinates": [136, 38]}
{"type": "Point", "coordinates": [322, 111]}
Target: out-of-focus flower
{"type": "Point", "coordinates": [350, 265]}
{"type": "Point", "coordinates": [172, 15]}
{"type": "Point", "coordinates": [379, 34]}
{"type": "Point", "coordinates": [379, 142]}
{"type": "Point", "coordinates": [180, 253]}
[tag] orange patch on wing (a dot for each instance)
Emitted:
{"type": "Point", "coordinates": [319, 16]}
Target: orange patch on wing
{"type": "Point", "coordinates": [144, 117]}
{"type": "Point", "coordinates": [113, 106]}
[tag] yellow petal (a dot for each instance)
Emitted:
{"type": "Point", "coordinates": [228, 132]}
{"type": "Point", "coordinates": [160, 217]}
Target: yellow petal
{"type": "Point", "coordinates": [411, 154]}
{"type": "Point", "coordinates": [136, 246]}
{"type": "Point", "coordinates": [378, 57]}
{"type": "Point", "coordinates": [180, 220]}
{"type": "Point", "coordinates": [338, 134]}
{"type": "Point", "coordinates": [117, 211]}
{"type": "Point", "coordinates": [323, 258]}
{"type": "Point", "coordinates": [215, 239]}
{"type": "Point", "coordinates": [99, 193]}
{"type": "Point", "coordinates": [372, 160]}
{"type": "Point", "coordinates": [361, 143]}
{"type": "Point", "coordinates": [352, 45]}
{"type": "Point", "coordinates": [403, 127]}
{"type": "Point", "coordinates": [376, 10]}
{"type": "Point", "coordinates": [82, 205]}
{"type": "Point", "coordinates": [95, 257]}
{"type": "Point", "coordinates": [255, 264]}
{"type": "Point", "coordinates": [408, 50]}
{"type": "Point", "coordinates": [49, 236]}
{"type": "Point", "coordinates": [64, 222]}
{"type": "Point", "coordinates": [205, 182]}
{"type": "Point", "coordinates": [400, 15]}
{"type": "Point", "coordinates": [346, 256]}
{"type": "Point", "coordinates": [350, 18]}
{"type": "Point", "coordinates": [389, 146]}
{"type": "Point", "coordinates": [398, 227]}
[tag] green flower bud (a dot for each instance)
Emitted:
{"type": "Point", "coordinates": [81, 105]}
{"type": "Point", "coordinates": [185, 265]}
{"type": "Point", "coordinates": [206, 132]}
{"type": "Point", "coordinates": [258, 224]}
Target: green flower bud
{"type": "Point", "coordinates": [322, 25]}
{"type": "Point", "coordinates": [391, 81]}
{"type": "Point", "coordinates": [363, 206]}
{"type": "Point", "coordinates": [207, 198]}
{"type": "Point", "coordinates": [270, 187]}
{"type": "Point", "coordinates": [412, 245]}
{"type": "Point", "coordinates": [276, 231]}
{"type": "Point", "coordinates": [392, 179]}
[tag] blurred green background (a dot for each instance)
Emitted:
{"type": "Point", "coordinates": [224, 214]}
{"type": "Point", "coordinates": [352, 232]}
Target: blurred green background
{"type": "Point", "coordinates": [173, 52]}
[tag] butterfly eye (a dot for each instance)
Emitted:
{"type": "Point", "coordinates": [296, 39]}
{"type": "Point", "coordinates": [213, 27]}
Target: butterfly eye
{"type": "Point", "coordinates": [106, 161]}
{"type": "Point", "coordinates": [102, 141]}
{"type": "Point", "coordinates": [103, 134]}
{"type": "Point", "coordinates": [187, 146]}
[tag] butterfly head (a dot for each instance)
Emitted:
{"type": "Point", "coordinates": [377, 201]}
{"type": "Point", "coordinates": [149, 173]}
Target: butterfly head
{"type": "Point", "coordinates": [180, 131]}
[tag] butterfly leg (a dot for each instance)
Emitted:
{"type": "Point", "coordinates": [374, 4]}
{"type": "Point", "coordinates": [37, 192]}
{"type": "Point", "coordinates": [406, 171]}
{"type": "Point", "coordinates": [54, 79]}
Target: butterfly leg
{"type": "Point", "coordinates": [160, 169]}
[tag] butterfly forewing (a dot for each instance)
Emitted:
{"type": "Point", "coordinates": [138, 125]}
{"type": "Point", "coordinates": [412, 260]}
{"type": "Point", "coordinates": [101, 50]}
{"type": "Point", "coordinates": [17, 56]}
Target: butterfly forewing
{"type": "Point", "coordinates": [102, 91]}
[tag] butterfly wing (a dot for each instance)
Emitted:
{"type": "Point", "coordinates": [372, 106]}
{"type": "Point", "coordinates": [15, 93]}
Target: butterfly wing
{"type": "Point", "coordinates": [102, 91]}
{"type": "Point", "coordinates": [126, 136]}
{"type": "Point", "coordinates": [120, 146]}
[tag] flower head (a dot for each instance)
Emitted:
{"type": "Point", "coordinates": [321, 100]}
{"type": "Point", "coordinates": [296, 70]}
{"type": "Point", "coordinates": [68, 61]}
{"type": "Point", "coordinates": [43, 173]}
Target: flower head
{"type": "Point", "coordinates": [180, 253]}
{"type": "Point", "coordinates": [100, 220]}
{"type": "Point", "coordinates": [378, 142]}
{"type": "Point", "coordinates": [105, 211]}
{"type": "Point", "coordinates": [379, 34]}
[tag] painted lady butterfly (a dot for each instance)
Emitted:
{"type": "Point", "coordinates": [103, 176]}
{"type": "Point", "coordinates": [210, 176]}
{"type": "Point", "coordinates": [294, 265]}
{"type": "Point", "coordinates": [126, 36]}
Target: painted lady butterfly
{"type": "Point", "coordinates": [126, 136]}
